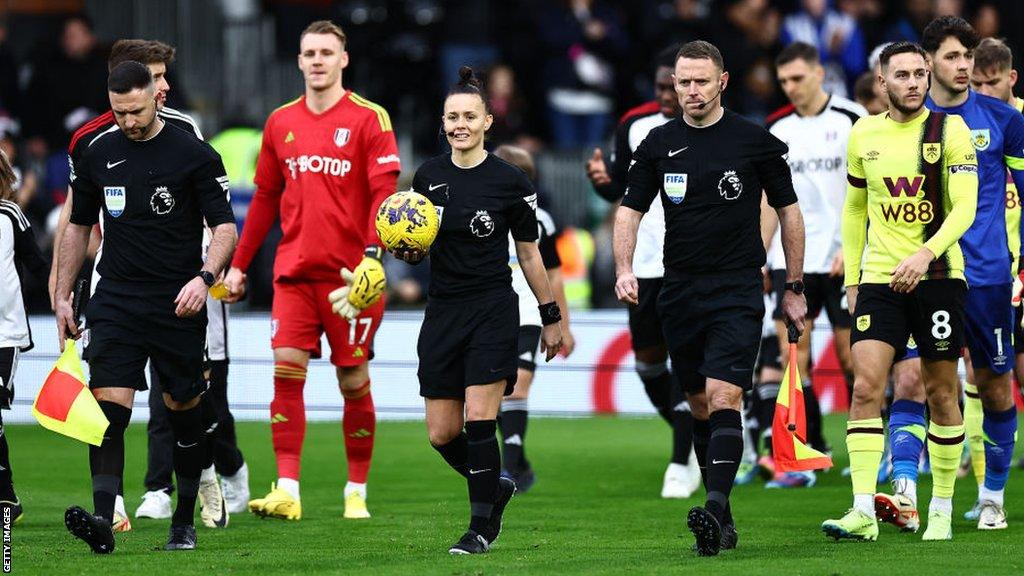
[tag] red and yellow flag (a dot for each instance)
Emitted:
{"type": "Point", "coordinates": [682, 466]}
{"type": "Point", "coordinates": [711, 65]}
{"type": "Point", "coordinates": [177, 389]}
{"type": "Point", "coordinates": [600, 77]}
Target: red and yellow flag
{"type": "Point", "coordinates": [789, 428]}
{"type": "Point", "coordinates": [65, 404]}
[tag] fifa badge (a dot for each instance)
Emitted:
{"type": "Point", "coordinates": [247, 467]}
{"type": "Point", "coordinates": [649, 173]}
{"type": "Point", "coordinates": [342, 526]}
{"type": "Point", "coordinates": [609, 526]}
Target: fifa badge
{"type": "Point", "coordinates": [113, 199]}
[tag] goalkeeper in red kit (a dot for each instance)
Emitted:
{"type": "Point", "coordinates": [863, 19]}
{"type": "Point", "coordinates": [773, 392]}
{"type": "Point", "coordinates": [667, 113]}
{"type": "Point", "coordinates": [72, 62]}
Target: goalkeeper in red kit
{"type": "Point", "coordinates": [327, 161]}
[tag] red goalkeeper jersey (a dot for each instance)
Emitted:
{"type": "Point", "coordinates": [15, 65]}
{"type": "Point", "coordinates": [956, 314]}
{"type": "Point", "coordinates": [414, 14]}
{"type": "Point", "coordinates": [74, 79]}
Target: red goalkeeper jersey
{"type": "Point", "coordinates": [325, 174]}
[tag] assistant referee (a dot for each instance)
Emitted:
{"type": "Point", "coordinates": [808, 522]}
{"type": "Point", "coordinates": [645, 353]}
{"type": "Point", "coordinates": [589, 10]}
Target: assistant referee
{"type": "Point", "coordinates": [709, 168]}
{"type": "Point", "coordinates": [151, 184]}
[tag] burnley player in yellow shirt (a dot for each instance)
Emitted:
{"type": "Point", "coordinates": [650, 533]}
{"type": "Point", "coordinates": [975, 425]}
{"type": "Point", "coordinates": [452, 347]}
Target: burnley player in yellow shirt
{"type": "Point", "coordinates": [912, 193]}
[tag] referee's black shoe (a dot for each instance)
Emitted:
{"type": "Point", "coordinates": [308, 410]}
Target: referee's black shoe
{"type": "Point", "coordinates": [93, 530]}
{"type": "Point", "coordinates": [182, 537]}
{"type": "Point", "coordinates": [506, 489]}
{"type": "Point", "coordinates": [706, 530]}
{"type": "Point", "coordinates": [729, 535]}
{"type": "Point", "coordinates": [470, 543]}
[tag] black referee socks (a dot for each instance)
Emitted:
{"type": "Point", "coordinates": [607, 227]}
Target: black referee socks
{"type": "Point", "coordinates": [456, 454]}
{"type": "Point", "coordinates": [106, 461]}
{"type": "Point", "coordinates": [682, 425]}
{"type": "Point", "coordinates": [189, 456]}
{"type": "Point", "coordinates": [701, 435]}
{"type": "Point", "coordinates": [725, 449]}
{"type": "Point", "coordinates": [484, 469]}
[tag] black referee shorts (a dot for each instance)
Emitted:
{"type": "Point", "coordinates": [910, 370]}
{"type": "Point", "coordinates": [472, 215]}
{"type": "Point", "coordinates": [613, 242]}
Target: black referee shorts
{"type": "Point", "coordinates": [933, 314]}
{"type": "Point", "coordinates": [644, 323]}
{"type": "Point", "coordinates": [466, 343]}
{"type": "Point", "coordinates": [127, 330]}
{"type": "Point", "coordinates": [712, 324]}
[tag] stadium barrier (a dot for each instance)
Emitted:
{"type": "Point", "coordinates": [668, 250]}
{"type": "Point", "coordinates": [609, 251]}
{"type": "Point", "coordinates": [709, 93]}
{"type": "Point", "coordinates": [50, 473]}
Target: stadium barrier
{"type": "Point", "coordinates": [597, 379]}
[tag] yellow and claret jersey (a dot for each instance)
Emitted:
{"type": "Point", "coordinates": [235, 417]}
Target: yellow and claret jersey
{"type": "Point", "coordinates": [1013, 207]}
{"type": "Point", "coordinates": [909, 184]}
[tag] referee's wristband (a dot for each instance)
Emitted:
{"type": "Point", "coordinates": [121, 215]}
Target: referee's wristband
{"type": "Point", "coordinates": [550, 313]}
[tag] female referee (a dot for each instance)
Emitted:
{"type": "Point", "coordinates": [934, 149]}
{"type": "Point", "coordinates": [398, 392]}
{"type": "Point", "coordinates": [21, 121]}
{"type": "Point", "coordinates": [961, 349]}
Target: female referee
{"type": "Point", "coordinates": [468, 340]}
{"type": "Point", "coordinates": [514, 413]}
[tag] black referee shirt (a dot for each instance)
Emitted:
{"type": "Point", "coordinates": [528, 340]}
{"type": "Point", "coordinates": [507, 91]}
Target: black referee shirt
{"type": "Point", "coordinates": [154, 195]}
{"type": "Point", "coordinates": [710, 181]}
{"type": "Point", "coordinates": [478, 207]}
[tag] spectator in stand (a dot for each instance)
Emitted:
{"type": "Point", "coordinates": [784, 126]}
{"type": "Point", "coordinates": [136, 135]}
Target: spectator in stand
{"type": "Point", "coordinates": [986, 21]}
{"type": "Point", "coordinates": [747, 34]}
{"type": "Point", "coordinates": [582, 41]}
{"type": "Point", "coordinates": [666, 22]}
{"type": "Point", "coordinates": [509, 110]}
{"type": "Point", "coordinates": [10, 92]}
{"type": "Point", "coordinates": [67, 87]}
{"type": "Point", "coordinates": [916, 15]}
{"type": "Point", "coordinates": [837, 37]}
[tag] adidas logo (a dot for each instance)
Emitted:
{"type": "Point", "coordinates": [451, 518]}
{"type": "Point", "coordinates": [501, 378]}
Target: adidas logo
{"type": "Point", "coordinates": [358, 352]}
{"type": "Point", "coordinates": [289, 138]}
{"type": "Point", "coordinates": [361, 433]}
{"type": "Point", "coordinates": [514, 440]}
{"type": "Point", "coordinates": [278, 418]}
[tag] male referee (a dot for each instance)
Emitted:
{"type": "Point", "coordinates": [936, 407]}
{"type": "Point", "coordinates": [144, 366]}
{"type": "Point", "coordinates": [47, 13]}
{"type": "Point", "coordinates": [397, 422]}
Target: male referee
{"type": "Point", "coordinates": [709, 168]}
{"type": "Point", "coordinates": [155, 184]}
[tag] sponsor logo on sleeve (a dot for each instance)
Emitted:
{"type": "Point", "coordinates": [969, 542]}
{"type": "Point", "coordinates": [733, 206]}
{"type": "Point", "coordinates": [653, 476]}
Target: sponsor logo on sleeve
{"type": "Point", "coordinates": [963, 168]}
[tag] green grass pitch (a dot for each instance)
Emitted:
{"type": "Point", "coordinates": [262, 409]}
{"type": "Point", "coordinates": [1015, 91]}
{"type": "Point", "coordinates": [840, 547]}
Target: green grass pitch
{"type": "Point", "coordinates": [594, 510]}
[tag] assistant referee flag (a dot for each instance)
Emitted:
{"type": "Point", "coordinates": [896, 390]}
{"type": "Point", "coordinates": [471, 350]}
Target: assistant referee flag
{"type": "Point", "coordinates": [65, 404]}
{"type": "Point", "coordinates": [789, 427]}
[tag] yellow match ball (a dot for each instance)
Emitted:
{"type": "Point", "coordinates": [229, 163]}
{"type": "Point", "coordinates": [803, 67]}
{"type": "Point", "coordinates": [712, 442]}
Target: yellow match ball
{"type": "Point", "coordinates": [407, 219]}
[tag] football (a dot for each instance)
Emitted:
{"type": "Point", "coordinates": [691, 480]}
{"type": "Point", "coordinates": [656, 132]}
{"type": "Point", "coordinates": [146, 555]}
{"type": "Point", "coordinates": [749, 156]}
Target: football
{"type": "Point", "coordinates": [407, 219]}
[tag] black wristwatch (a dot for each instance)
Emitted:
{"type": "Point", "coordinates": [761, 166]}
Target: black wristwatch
{"type": "Point", "coordinates": [796, 287]}
{"type": "Point", "coordinates": [550, 313]}
{"type": "Point", "coordinates": [207, 277]}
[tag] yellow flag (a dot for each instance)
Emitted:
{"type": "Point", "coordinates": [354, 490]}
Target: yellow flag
{"type": "Point", "coordinates": [65, 404]}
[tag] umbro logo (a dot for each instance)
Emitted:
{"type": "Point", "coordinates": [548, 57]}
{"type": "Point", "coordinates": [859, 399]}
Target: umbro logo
{"type": "Point", "coordinates": [672, 153]}
{"type": "Point", "coordinates": [112, 164]}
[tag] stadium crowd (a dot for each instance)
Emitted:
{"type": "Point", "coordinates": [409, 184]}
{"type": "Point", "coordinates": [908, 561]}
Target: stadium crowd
{"type": "Point", "coordinates": [558, 75]}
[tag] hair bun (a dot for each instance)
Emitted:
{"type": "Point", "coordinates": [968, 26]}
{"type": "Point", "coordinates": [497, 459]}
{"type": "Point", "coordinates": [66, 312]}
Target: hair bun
{"type": "Point", "coordinates": [467, 77]}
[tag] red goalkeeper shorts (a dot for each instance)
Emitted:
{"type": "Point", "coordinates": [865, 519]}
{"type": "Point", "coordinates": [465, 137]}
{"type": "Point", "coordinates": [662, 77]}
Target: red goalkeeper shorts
{"type": "Point", "coordinates": [301, 313]}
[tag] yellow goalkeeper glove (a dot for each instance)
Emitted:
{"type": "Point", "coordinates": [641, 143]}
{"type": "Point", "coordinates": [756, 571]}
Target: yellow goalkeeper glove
{"type": "Point", "coordinates": [363, 286]}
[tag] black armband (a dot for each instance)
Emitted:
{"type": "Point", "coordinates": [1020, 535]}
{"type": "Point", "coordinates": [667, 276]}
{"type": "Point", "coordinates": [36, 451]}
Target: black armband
{"type": "Point", "coordinates": [550, 313]}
